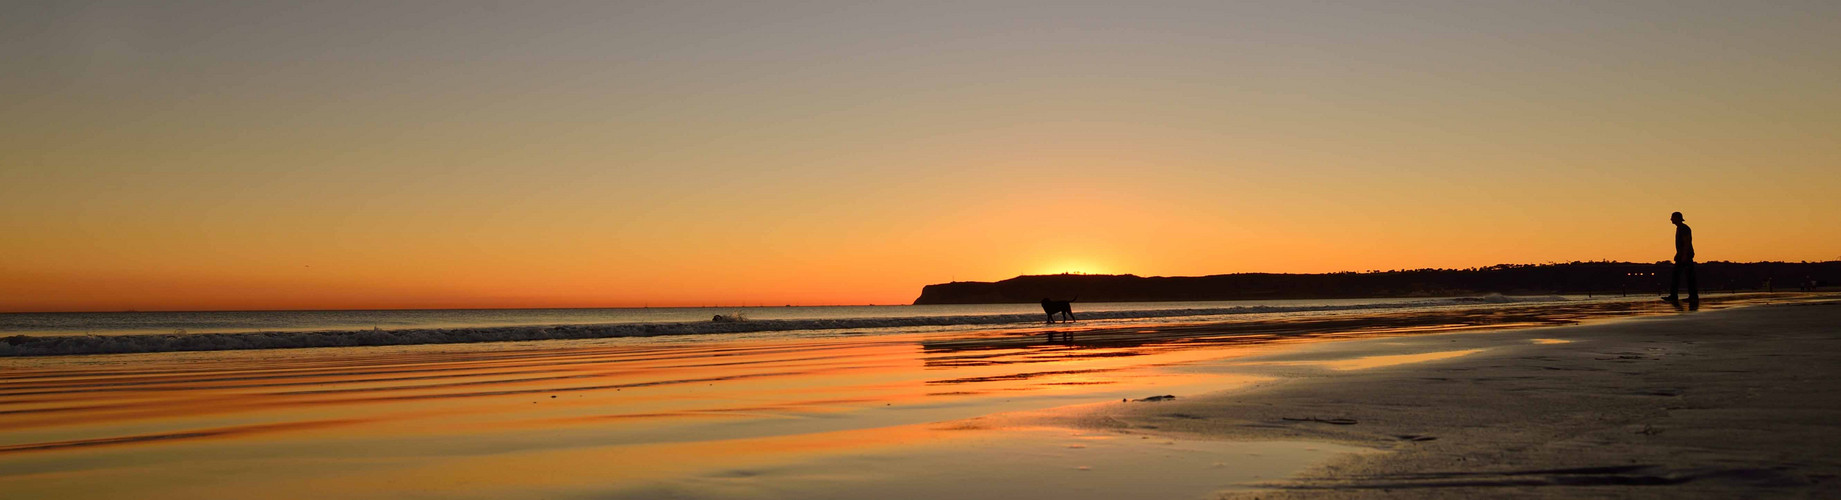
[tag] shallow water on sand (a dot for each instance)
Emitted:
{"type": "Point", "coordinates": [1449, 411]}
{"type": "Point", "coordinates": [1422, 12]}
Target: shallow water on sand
{"type": "Point", "coordinates": [792, 418]}
{"type": "Point", "coordinates": [934, 462]}
{"type": "Point", "coordinates": [521, 422]}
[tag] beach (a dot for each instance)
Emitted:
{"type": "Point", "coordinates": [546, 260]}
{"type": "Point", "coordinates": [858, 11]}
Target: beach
{"type": "Point", "coordinates": [1027, 249]}
{"type": "Point", "coordinates": [1573, 399]}
{"type": "Point", "coordinates": [1726, 404]}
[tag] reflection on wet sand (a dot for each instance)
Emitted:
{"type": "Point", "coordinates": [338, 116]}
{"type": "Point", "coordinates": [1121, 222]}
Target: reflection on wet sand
{"type": "Point", "coordinates": [580, 416]}
{"type": "Point", "coordinates": [1367, 362]}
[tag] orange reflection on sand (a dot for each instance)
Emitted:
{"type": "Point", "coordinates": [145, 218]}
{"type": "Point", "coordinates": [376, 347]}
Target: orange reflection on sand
{"type": "Point", "coordinates": [605, 465]}
{"type": "Point", "coordinates": [1367, 362]}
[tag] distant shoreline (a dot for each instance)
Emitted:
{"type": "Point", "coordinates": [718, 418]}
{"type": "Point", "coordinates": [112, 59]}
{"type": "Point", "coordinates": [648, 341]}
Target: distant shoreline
{"type": "Point", "coordinates": [1575, 278]}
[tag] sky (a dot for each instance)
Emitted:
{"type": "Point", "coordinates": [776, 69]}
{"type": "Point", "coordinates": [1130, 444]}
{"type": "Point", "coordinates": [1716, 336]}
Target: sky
{"type": "Point", "coordinates": [450, 154]}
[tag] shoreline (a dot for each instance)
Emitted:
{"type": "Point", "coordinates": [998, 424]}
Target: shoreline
{"type": "Point", "coordinates": [1187, 321]}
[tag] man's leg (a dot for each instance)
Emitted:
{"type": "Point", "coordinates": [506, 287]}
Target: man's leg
{"type": "Point", "coordinates": [1674, 283]}
{"type": "Point", "coordinates": [1693, 289]}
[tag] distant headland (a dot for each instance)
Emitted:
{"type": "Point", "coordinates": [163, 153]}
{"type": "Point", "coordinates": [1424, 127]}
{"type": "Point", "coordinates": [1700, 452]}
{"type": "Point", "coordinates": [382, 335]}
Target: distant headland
{"type": "Point", "coordinates": [1508, 279]}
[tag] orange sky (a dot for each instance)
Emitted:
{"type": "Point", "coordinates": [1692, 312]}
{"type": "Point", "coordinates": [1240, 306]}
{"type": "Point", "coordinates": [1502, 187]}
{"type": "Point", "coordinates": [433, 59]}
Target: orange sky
{"type": "Point", "coordinates": [233, 156]}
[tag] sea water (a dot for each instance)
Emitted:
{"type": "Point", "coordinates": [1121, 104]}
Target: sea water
{"type": "Point", "coordinates": [121, 332]}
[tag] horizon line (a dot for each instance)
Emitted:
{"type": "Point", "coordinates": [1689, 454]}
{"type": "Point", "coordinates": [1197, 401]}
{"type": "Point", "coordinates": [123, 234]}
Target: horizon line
{"type": "Point", "coordinates": [763, 305]}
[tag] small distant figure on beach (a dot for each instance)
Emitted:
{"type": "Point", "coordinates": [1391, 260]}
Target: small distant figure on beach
{"type": "Point", "coordinates": [1684, 263]}
{"type": "Point", "coordinates": [1063, 307]}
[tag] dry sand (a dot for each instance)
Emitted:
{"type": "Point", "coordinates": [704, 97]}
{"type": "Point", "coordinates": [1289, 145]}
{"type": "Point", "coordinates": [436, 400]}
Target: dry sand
{"type": "Point", "coordinates": [1722, 404]}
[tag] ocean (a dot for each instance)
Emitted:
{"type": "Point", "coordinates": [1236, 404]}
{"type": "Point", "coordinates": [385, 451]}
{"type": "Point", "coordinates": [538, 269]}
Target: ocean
{"type": "Point", "coordinates": [27, 334]}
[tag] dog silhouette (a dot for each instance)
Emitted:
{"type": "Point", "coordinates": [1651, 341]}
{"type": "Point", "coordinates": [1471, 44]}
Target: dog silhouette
{"type": "Point", "coordinates": [1063, 307]}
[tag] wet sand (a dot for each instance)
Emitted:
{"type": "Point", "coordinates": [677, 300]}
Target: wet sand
{"type": "Point", "coordinates": [1003, 414]}
{"type": "Point", "coordinates": [1740, 403]}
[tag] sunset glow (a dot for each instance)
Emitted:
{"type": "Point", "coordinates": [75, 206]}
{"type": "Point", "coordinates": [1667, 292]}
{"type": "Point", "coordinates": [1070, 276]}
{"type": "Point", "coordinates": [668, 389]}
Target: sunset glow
{"type": "Point", "coordinates": [397, 155]}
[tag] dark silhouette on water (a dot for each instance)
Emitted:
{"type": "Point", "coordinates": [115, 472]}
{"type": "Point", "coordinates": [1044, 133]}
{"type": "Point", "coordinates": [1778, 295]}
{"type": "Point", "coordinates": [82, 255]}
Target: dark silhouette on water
{"type": "Point", "coordinates": [1684, 263]}
{"type": "Point", "coordinates": [1064, 307]}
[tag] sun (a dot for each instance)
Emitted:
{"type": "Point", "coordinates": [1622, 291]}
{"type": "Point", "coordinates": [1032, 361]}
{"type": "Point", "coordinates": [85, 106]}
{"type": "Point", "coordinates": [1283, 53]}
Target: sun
{"type": "Point", "coordinates": [1074, 266]}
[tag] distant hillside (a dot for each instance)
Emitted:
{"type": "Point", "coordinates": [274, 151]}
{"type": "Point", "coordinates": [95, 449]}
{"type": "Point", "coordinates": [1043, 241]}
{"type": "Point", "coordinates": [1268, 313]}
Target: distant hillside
{"type": "Point", "coordinates": [1507, 279]}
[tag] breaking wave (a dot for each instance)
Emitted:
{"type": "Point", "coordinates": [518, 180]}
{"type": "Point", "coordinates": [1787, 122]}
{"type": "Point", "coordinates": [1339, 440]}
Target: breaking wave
{"type": "Point", "coordinates": [21, 345]}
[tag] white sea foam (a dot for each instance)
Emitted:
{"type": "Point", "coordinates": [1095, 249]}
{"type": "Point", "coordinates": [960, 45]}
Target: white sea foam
{"type": "Point", "coordinates": [117, 344]}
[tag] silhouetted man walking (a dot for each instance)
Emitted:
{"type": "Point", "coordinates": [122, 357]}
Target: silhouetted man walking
{"type": "Point", "coordinates": [1684, 263]}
